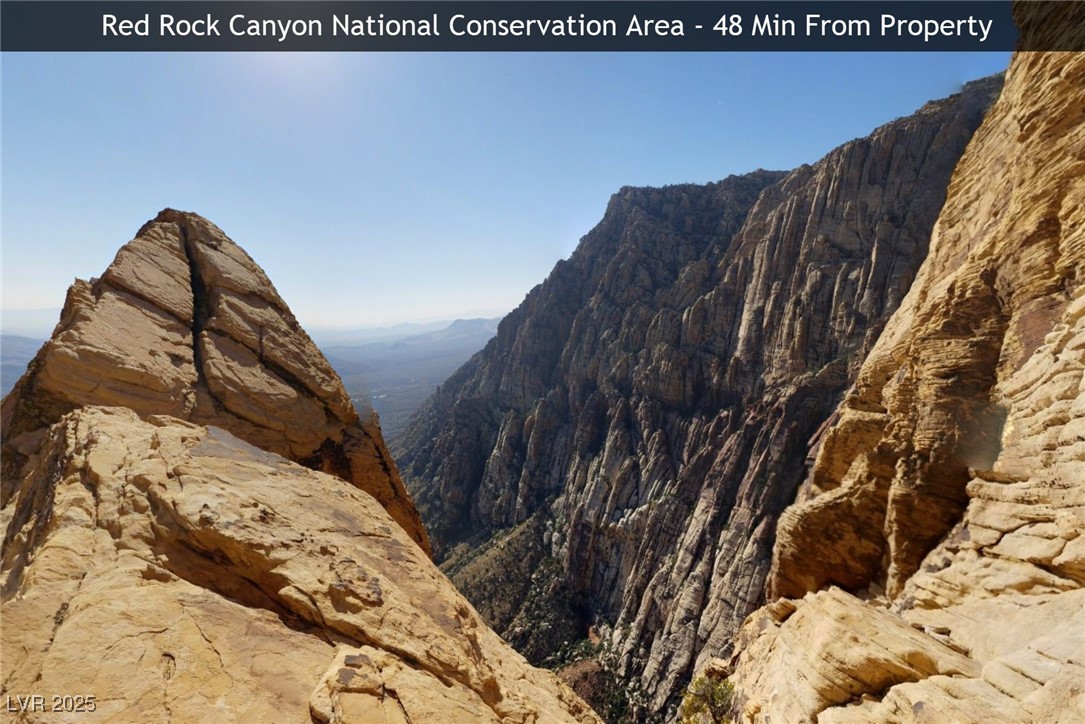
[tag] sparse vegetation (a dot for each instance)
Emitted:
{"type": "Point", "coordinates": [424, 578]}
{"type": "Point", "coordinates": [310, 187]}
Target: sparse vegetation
{"type": "Point", "coordinates": [707, 700]}
{"type": "Point", "coordinates": [613, 700]}
{"type": "Point", "coordinates": [594, 672]}
{"type": "Point", "coordinates": [520, 590]}
{"type": "Point", "coordinates": [572, 653]}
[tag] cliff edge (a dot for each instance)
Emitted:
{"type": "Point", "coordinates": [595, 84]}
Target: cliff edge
{"type": "Point", "coordinates": [618, 455]}
{"type": "Point", "coordinates": [934, 566]}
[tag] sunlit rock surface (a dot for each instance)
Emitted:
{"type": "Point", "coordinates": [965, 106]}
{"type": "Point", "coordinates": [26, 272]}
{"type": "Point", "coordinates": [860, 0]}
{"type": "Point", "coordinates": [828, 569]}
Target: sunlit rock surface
{"type": "Point", "coordinates": [184, 323]}
{"type": "Point", "coordinates": [950, 492]}
{"type": "Point", "coordinates": [177, 573]}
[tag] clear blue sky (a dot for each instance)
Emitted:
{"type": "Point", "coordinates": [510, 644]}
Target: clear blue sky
{"type": "Point", "coordinates": [378, 188]}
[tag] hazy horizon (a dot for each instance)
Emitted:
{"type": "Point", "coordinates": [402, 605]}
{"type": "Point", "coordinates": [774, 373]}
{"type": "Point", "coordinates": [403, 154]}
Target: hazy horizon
{"type": "Point", "coordinates": [38, 323]}
{"type": "Point", "coordinates": [378, 189]}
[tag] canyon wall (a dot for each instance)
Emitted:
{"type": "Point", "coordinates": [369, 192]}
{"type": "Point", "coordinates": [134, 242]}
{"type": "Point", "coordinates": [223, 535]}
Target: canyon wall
{"type": "Point", "coordinates": [949, 494]}
{"type": "Point", "coordinates": [618, 455]}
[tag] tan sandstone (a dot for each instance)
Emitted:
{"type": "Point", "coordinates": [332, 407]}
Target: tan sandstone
{"type": "Point", "coordinates": [959, 507]}
{"type": "Point", "coordinates": [185, 323]}
{"type": "Point", "coordinates": [176, 572]}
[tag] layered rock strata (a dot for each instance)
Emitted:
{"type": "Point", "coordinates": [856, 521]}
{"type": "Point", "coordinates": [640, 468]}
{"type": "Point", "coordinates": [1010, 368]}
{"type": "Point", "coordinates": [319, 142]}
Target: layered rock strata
{"type": "Point", "coordinates": [173, 572]}
{"type": "Point", "coordinates": [620, 452]}
{"type": "Point", "coordinates": [184, 323]}
{"type": "Point", "coordinates": [950, 492]}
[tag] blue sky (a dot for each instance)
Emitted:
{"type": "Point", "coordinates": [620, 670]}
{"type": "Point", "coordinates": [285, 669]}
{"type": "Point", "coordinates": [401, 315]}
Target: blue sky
{"type": "Point", "coordinates": [380, 188]}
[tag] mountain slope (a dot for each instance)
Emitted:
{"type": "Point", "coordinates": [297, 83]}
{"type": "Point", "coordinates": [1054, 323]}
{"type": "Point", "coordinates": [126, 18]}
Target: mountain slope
{"type": "Point", "coordinates": [949, 494]}
{"type": "Point", "coordinates": [205, 579]}
{"type": "Point", "coordinates": [619, 453]}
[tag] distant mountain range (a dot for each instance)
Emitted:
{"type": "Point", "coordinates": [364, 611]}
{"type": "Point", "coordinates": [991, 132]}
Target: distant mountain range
{"type": "Point", "coordinates": [30, 323]}
{"type": "Point", "coordinates": [395, 376]}
{"type": "Point", "coordinates": [352, 336]}
{"type": "Point", "coordinates": [15, 353]}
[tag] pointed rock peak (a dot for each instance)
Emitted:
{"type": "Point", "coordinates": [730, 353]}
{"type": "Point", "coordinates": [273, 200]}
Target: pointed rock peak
{"type": "Point", "coordinates": [175, 216]}
{"type": "Point", "coordinates": [184, 323]}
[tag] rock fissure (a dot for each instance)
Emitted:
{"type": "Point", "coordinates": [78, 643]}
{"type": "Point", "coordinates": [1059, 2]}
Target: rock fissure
{"type": "Point", "coordinates": [201, 304]}
{"type": "Point", "coordinates": [218, 655]}
{"type": "Point", "coordinates": [399, 704]}
{"type": "Point", "coordinates": [226, 351]}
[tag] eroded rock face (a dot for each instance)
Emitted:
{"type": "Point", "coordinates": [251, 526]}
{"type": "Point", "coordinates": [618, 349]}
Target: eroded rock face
{"type": "Point", "coordinates": [839, 649]}
{"type": "Point", "coordinates": [624, 445]}
{"type": "Point", "coordinates": [184, 323]}
{"type": "Point", "coordinates": [176, 572]}
{"type": "Point", "coordinates": [831, 657]}
{"type": "Point", "coordinates": [951, 491]}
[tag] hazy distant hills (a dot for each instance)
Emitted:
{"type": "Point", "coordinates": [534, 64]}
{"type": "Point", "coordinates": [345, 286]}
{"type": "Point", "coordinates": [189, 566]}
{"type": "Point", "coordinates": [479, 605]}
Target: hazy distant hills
{"type": "Point", "coordinates": [31, 323]}
{"type": "Point", "coordinates": [397, 375]}
{"type": "Point", "coordinates": [15, 353]}
{"type": "Point", "coordinates": [352, 336]}
{"type": "Point", "coordinates": [25, 331]}
{"type": "Point", "coordinates": [397, 369]}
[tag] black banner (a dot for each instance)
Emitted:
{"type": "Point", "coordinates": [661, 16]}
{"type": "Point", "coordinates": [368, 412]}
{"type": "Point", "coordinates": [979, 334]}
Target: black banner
{"type": "Point", "coordinates": [474, 25]}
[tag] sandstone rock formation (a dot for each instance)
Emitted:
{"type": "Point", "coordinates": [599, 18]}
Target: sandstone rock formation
{"type": "Point", "coordinates": [950, 492]}
{"type": "Point", "coordinates": [620, 452]}
{"type": "Point", "coordinates": [184, 323]}
{"type": "Point", "coordinates": [176, 573]}
{"type": "Point", "coordinates": [835, 648]}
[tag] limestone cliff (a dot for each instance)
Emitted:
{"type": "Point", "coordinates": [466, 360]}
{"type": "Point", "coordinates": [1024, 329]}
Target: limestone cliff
{"type": "Point", "coordinates": [176, 573]}
{"type": "Point", "coordinates": [620, 452]}
{"type": "Point", "coordinates": [184, 323]}
{"type": "Point", "coordinates": [950, 491]}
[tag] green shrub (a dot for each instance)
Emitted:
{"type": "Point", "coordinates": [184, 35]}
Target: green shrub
{"type": "Point", "coordinates": [707, 701]}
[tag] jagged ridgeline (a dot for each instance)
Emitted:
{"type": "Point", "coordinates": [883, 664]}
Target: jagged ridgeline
{"type": "Point", "coordinates": [620, 452]}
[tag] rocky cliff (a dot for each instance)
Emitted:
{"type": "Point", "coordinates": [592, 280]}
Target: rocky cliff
{"type": "Point", "coordinates": [184, 323]}
{"type": "Point", "coordinates": [162, 558]}
{"type": "Point", "coordinates": [949, 494]}
{"type": "Point", "coordinates": [620, 452]}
